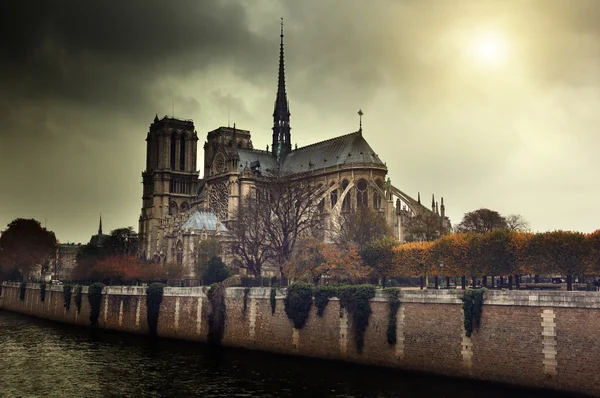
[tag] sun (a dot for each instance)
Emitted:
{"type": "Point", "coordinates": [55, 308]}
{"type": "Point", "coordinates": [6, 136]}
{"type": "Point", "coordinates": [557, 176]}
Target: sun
{"type": "Point", "coordinates": [489, 48]}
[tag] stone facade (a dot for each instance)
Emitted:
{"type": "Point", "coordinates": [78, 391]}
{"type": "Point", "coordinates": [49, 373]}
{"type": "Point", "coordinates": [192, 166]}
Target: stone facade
{"type": "Point", "coordinates": [533, 339]}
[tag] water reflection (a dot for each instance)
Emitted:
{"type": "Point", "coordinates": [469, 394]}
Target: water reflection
{"type": "Point", "coordinates": [43, 359]}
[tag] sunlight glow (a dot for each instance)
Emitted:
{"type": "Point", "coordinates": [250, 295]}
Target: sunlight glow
{"type": "Point", "coordinates": [489, 48]}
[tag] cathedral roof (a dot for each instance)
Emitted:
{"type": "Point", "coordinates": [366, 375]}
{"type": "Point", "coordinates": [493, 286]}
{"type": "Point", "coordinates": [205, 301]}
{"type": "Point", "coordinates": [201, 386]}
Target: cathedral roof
{"type": "Point", "coordinates": [262, 160]}
{"type": "Point", "coordinates": [339, 151]}
{"type": "Point", "coordinates": [203, 220]}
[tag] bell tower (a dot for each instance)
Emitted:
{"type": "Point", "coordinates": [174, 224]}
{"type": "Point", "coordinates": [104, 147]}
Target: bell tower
{"type": "Point", "coordinates": [170, 180]}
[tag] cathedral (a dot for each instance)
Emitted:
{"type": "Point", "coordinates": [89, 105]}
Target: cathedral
{"type": "Point", "coordinates": [180, 209]}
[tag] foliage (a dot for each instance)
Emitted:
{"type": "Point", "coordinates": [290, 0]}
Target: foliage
{"type": "Point", "coordinates": [355, 298]}
{"type": "Point", "coordinates": [413, 258]}
{"type": "Point", "coordinates": [273, 300]}
{"type": "Point", "coordinates": [472, 308]}
{"type": "Point", "coordinates": [118, 269]}
{"type": "Point", "coordinates": [379, 256]}
{"type": "Point", "coordinates": [95, 299]}
{"type": "Point", "coordinates": [67, 290]}
{"type": "Point", "coordinates": [42, 291]}
{"type": "Point", "coordinates": [87, 258]}
{"type": "Point", "coordinates": [78, 289]}
{"type": "Point", "coordinates": [298, 301]}
{"type": "Point", "coordinates": [316, 259]}
{"type": "Point", "coordinates": [481, 221]}
{"type": "Point", "coordinates": [22, 290]}
{"type": "Point", "coordinates": [246, 293]}
{"type": "Point", "coordinates": [322, 296]}
{"type": "Point", "coordinates": [393, 294]}
{"type": "Point", "coordinates": [517, 223]}
{"type": "Point", "coordinates": [216, 272]}
{"type": "Point", "coordinates": [154, 296]}
{"type": "Point", "coordinates": [217, 314]}
{"type": "Point", "coordinates": [361, 227]}
{"type": "Point", "coordinates": [207, 249]}
{"type": "Point", "coordinates": [424, 228]}
{"type": "Point", "coordinates": [123, 242]}
{"type": "Point", "coordinates": [25, 244]}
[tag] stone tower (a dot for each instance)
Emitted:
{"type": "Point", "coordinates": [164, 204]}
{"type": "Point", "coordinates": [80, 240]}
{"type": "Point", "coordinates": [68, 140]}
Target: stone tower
{"type": "Point", "coordinates": [282, 144]}
{"type": "Point", "coordinates": [170, 180]}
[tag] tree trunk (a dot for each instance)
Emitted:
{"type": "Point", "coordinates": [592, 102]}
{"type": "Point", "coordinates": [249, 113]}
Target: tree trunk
{"type": "Point", "coordinates": [437, 282]}
{"type": "Point", "coordinates": [474, 282]}
{"type": "Point", "coordinates": [518, 281]}
{"type": "Point", "coordinates": [463, 282]}
{"type": "Point", "coordinates": [501, 282]}
{"type": "Point", "coordinates": [510, 282]}
{"type": "Point", "coordinates": [492, 278]}
{"type": "Point", "coordinates": [422, 282]}
{"type": "Point", "coordinates": [485, 281]}
{"type": "Point", "coordinates": [569, 283]}
{"type": "Point", "coordinates": [447, 282]}
{"type": "Point", "coordinates": [536, 278]}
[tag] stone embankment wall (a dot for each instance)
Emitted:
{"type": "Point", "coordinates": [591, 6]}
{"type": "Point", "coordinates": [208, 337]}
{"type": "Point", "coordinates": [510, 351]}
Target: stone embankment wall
{"type": "Point", "coordinates": [535, 339]}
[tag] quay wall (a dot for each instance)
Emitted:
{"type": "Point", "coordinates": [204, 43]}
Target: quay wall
{"type": "Point", "coordinates": [532, 339]}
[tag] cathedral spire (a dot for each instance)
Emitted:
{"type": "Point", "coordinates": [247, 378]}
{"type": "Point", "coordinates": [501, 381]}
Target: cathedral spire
{"type": "Point", "coordinates": [100, 225]}
{"type": "Point", "coordinates": [281, 114]}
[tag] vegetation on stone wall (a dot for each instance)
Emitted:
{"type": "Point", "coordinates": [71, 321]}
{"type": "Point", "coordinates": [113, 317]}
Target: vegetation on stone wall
{"type": "Point", "coordinates": [67, 290]}
{"type": "Point", "coordinates": [22, 290]}
{"type": "Point", "coordinates": [246, 293]}
{"type": "Point", "coordinates": [78, 298]}
{"type": "Point", "coordinates": [217, 314]}
{"type": "Point", "coordinates": [273, 300]}
{"type": "Point", "coordinates": [298, 301]}
{"type": "Point", "coordinates": [95, 298]}
{"type": "Point", "coordinates": [472, 308]}
{"type": "Point", "coordinates": [322, 296]}
{"type": "Point", "coordinates": [154, 296]}
{"type": "Point", "coordinates": [393, 294]}
{"type": "Point", "coordinates": [355, 299]}
{"type": "Point", "coordinates": [42, 291]}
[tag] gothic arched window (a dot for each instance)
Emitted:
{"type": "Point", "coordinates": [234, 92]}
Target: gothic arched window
{"type": "Point", "coordinates": [362, 197]}
{"type": "Point", "coordinates": [172, 208]}
{"type": "Point", "coordinates": [346, 201]}
{"type": "Point", "coordinates": [173, 149]}
{"type": "Point", "coordinates": [182, 153]}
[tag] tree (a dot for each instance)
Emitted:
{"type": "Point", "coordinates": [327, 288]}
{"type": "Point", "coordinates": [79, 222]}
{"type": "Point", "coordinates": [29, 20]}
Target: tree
{"type": "Point", "coordinates": [25, 245]}
{"type": "Point", "coordinates": [560, 251]}
{"type": "Point", "coordinates": [517, 223]}
{"type": "Point", "coordinates": [122, 241]}
{"type": "Point", "coordinates": [117, 269]}
{"type": "Point", "coordinates": [360, 227]}
{"type": "Point", "coordinates": [423, 227]}
{"type": "Point", "coordinates": [207, 249]}
{"type": "Point", "coordinates": [481, 221]}
{"type": "Point", "coordinates": [315, 259]}
{"type": "Point", "coordinates": [379, 256]}
{"type": "Point", "coordinates": [216, 271]}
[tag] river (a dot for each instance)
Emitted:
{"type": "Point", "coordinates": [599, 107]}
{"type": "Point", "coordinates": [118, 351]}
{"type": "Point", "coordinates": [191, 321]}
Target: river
{"type": "Point", "coordinates": [39, 358]}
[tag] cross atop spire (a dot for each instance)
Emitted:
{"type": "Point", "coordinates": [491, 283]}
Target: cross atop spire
{"type": "Point", "coordinates": [281, 114]}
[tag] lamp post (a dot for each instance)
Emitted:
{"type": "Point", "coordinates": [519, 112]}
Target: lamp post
{"type": "Point", "coordinates": [441, 273]}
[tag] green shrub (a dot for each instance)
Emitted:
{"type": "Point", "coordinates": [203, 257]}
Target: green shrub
{"type": "Point", "coordinates": [22, 290]}
{"type": "Point", "coordinates": [472, 308]}
{"type": "Point", "coordinates": [322, 296]}
{"type": "Point", "coordinates": [95, 298]}
{"type": "Point", "coordinates": [154, 296]}
{"type": "Point", "coordinates": [216, 271]}
{"type": "Point", "coordinates": [393, 294]}
{"type": "Point", "coordinates": [42, 291]}
{"type": "Point", "coordinates": [273, 300]}
{"type": "Point", "coordinates": [78, 298]}
{"type": "Point", "coordinates": [356, 300]}
{"type": "Point", "coordinates": [298, 301]}
{"type": "Point", "coordinates": [218, 313]}
{"type": "Point", "coordinates": [246, 293]}
{"type": "Point", "coordinates": [67, 290]}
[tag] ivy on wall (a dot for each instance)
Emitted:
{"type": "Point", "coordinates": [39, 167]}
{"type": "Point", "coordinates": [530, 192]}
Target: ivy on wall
{"type": "Point", "coordinates": [472, 308]}
{"type": "Point", "coordinates": [67, 290]}
{"type": "Point", "coordinates": [322, 296]}
{"type": "Point", "coordinates": [217, 314]}
{"type": "Point", "coordinates": [78, 298]}
{"type": "Point", "coordinates": [298, 301]}
{"type": "Point", "coordinates": [95, 298]}
{"type": "Point", "coordinates": [42, 291]}
{"type": "Point", "coordinates": [273, 300]}
{"type": "Point", "coordinates": [22, 290]}
{"type": "Point", "coordinates": [393, 294]}
{"type": "Point", "coordinates": [246, 293]}
{"type": "Point", "coordinates": [355, 298]}
{"type": "Point", "coordinates": [154, 296]}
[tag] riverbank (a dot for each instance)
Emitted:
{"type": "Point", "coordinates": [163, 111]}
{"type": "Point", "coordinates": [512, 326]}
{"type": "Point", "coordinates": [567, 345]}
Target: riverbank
{"type": "Point", "coordinates": [533, 339]}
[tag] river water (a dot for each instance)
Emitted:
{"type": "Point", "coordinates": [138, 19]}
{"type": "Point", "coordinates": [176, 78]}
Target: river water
{"type": "Point", "coordinates": [39, 358]}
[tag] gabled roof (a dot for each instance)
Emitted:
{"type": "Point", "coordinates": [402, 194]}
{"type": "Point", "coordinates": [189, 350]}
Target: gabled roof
{"type": "Point", "coordinates": [343, 150]}
{"type": "Point", "coordinates": [249, 157]}
{"type": "Point", "coordinates": [203, 220]}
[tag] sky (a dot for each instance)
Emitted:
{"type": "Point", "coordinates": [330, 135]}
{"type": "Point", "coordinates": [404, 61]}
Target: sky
{"type": "Point", "coordinates": [491, 104]}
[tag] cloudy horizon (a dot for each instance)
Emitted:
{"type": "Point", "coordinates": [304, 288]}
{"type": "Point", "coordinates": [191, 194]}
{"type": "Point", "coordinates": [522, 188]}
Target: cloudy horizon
{"type": "Point", "coordinates": [487, 103]}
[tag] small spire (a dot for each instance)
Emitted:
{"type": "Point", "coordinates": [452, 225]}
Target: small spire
{"type": "Point", "coordinates": [437, 209]}
{"type": "Point", "coordinates": [156, 118]}
{"type": "Point", "coordinates": [100, 225]}
{"type": "Point", "coordinates": [432, 202]}
{"type": "Point", "coordinates": [419, 197]}
{"type": "Point", "coordinates": [296, 147]}
{"type": "Point", "coordinates": [442, 206]}
{"type": "Point", "coordinates": [360, 115]}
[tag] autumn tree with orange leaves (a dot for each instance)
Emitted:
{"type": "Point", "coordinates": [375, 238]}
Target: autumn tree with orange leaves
{"type": "Point", "coordinates": [316, 259]}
